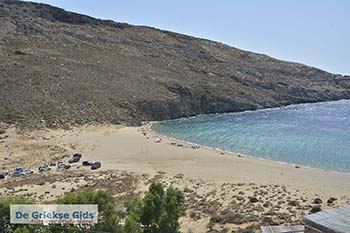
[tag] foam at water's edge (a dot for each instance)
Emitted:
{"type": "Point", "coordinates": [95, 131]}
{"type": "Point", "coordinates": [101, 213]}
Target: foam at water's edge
{"type": "Point", "coordinates": [152, 123]}
{"type": "Point", "coordinates": [177, 129]}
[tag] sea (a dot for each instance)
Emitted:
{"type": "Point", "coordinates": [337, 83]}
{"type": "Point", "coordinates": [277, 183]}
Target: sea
{"type": "Point", "coordinates": [312, 135]}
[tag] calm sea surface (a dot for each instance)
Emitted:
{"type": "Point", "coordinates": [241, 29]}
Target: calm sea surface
{"type": "Point", "coordinates": [314, 135]}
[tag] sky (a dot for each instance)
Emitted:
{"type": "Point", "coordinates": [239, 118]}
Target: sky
{"type": "Point", "coordinates": [313, 32]}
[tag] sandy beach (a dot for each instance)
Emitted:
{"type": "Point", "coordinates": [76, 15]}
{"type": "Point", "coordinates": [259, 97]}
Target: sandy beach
{"type": "Point", "coordinates": [222, 190]}
{"type": "Point", "coordinates": [129, 150]}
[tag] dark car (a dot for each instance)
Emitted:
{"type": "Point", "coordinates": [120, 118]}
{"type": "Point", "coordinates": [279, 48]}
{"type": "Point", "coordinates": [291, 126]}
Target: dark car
{"type": "Point", "coordinates": [96, 166]}
{"type": "Point", "coordinates": [67, 166]}
{"type": "Point", "coordinates": [2, 176]}
{"type": "Point", "coordinates": [87, 163]}
{"type": "Point", "coordinates": [74, 160]}
{"type": "Point", "coordinates": [44, 168]}
{"type": "Point", "coordinates": [77, 155]}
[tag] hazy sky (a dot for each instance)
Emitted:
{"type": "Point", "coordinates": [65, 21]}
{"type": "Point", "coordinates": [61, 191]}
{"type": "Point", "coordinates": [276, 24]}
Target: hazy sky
{"type": "Point", "coordinates": [314, 32]}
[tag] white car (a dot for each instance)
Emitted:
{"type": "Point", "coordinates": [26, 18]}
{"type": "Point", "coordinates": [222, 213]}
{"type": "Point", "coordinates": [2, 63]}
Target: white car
{"type": "Point", "coordinates": [44, 168]}
{"type": "Point", "coordinates": [27, 171]}
{"type": "Point", "coordinates": [60, 165]}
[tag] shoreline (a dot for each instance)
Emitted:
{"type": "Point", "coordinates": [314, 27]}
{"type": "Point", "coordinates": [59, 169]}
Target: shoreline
{"type": "Point", "coordinates": [237, 154]}
{"type": "Point", "coordinates": [253, 161]}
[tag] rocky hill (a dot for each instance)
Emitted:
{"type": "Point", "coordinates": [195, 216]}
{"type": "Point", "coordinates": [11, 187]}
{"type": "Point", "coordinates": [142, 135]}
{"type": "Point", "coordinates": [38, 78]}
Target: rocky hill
{"type": "Point", "coordinates": [59, 68]}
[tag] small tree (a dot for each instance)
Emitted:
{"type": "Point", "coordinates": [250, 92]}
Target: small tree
{"type": "Point", "coordinates": [108, 214]}
{"type": "Point", "coordinates": [159, 211]}
{"type": "Point", "coordinates": [173, 209]}
{"type": "Point", "coordinates": [152, 208]}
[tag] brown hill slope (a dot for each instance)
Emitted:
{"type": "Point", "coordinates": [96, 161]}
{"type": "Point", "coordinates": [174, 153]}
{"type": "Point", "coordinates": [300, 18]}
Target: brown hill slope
{"type": "Point", "coordinates": [58, 67]}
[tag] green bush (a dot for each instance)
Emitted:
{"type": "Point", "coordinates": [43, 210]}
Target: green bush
{"type": "Point", "coordinates": [5, 212]}
{"type": "Point", "coordinates": [158, 212]}
{"type": "Point", "coordinates": [109, 216]}
{"type": "Point", "coordinates": [132, 225]}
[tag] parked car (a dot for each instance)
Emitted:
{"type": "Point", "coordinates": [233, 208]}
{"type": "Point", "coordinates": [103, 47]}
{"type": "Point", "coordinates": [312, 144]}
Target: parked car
{"type": "Point", "coordinates": [74, 160]}
{"type": "Point", "coordinates": [67, 166]}
{"type": "Point", "coordinates": [18, 172]}
{"type": "Point", "coordinates": [44, 168]}
{"type": "Point", "coordinates": [27, 171]}
{"type": "Point", "coordinates": [60, 165]}
{"type": "Point", "coordinates": [96, 165]}
{"type": "Point", "coordinates": [87, 163]}
{"type": "Point", "coordinates": [52, 164]}
{"type": "Point", "coordinates": [19, 169]}
{"type": "Point", "coordinates": [77, 155]}
{"type": "Point", "coordinates": [2, 176]}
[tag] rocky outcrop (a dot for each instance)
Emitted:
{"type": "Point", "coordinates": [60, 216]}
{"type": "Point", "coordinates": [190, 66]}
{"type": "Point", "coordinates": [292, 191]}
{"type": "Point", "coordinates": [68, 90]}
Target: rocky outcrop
{"type": "Point", "coordinates": [60, 68]}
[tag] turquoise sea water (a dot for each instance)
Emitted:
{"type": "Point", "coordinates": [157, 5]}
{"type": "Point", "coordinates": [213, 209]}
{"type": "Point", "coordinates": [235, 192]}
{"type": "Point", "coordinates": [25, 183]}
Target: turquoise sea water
{"type": "Point", "coordinates": [314, 135]}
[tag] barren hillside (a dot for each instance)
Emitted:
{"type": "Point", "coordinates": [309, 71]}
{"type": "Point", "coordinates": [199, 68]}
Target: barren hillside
{"type": "Point", "coordinates": [59, 68]}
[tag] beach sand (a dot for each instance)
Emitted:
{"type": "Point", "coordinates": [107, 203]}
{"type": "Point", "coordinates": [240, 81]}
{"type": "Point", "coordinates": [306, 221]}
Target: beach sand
{"type": "Point", "coordinates": [222, 190]}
